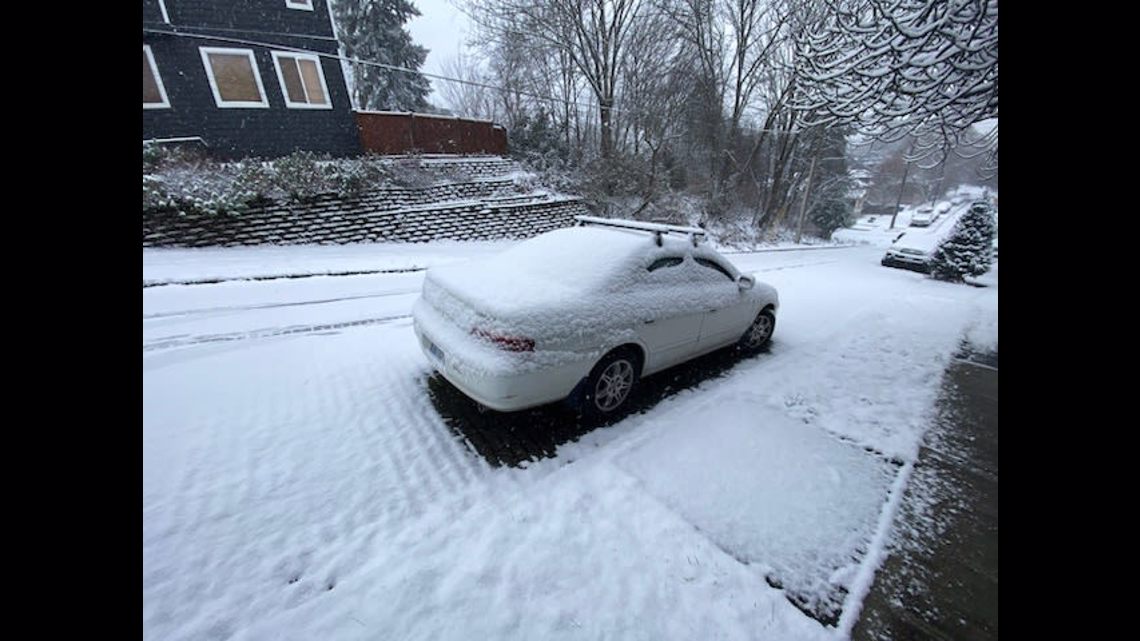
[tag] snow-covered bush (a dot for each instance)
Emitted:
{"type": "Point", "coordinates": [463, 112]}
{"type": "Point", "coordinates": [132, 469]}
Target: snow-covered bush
{"type": "Point", "coordinates": [549, 173]}
{"type": "Point", "coordinates": [969, 249]}
{"type": "Point", "coordinates": [535, 141]}
{"type": "Point", "coordinates": [409, 172]}
{"type": "Point", "coordinates": [354, 176]}
{"type": "Point", "coordinates": [299, 176]}
{"type": "Point", "coordinates": [185, 181]}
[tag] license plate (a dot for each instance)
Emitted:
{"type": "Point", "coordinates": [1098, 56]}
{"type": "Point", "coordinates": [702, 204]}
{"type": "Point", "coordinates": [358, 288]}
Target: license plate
{"type": "Point", "coordinates": [435, 351]}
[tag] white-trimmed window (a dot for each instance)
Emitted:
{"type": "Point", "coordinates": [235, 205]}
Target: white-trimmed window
{"type": "Point", "coordinates": [154, 94]}
{"type": "Point", "coordinates": [302, 80]}
{"type": "Point", "coordinates": [234, 77]}
{"type": "Point", "coordinates": [307, 5]}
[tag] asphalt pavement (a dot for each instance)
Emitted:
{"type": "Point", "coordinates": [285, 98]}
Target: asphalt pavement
{"type": "Point", "coordinates": [941, 580]}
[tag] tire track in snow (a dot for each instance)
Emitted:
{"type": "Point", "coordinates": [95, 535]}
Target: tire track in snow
{"type": "Point", "coordinates": [795, 266]}
{"type": "Point", "coordinates": [264, 525]}
{"type": "Point", "coordinates": [439, 461]}
{"type": "Point", "coordinates": [242, 308]}
{"type": "Point", "coordinates": [307, 563]}
{"type": "Point", "coordinates": [271, 332]}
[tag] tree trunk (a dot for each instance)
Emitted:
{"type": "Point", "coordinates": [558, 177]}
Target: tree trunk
{"type": "Point", "coordinates": [606, 118]}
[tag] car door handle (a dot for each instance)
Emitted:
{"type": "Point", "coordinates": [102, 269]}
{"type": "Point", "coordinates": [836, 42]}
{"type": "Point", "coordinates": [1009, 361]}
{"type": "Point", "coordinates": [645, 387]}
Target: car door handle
{"type": "Point", "coordinates": [711, 310]}
{"type": "Point", "coordinates": [650, 321]}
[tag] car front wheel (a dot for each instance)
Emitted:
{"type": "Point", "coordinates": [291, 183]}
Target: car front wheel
{"type": "Point", "coordinates": [760, 332]}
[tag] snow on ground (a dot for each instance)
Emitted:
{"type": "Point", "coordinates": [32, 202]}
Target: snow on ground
{"type": "Point", "coordinates": [983, 333]}
{"type": "Point", "coordinates": [747, 477]}
{"type": "Point", "coordinates": [299, 483]}
{"type": "Point", "coordinates": [169, 265]}
{"type": "Point", "coordinates": [877, 230]}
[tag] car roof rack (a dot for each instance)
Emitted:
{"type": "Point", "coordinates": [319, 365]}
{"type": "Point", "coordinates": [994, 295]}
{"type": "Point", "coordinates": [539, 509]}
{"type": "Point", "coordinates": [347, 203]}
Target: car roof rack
{"type": "Point", "coordinates": [695, 234]}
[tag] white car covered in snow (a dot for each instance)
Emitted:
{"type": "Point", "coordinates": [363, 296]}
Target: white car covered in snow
{"type": "Point", "coordinates": [582, 313]}
{"type": "Point", "coordinates": [923, 217]}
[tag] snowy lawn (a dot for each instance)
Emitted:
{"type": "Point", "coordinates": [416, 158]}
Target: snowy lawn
{"type": "Point", "coordinates": [299, 483]}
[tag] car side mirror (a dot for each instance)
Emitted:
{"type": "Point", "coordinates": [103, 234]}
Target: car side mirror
{"type": "Point", "coordinates": [745, 281]}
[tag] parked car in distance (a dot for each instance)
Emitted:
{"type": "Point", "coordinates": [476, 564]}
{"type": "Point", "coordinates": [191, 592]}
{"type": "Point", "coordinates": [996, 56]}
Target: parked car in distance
{"type": "Point", "coordinates": [942, 208]}
{"type": "Point", "coordinates": [914, 253]}
{"type": "Point", "coordinates": [581, 314]}
{"type": "Point", "coordinates": [923, 217]}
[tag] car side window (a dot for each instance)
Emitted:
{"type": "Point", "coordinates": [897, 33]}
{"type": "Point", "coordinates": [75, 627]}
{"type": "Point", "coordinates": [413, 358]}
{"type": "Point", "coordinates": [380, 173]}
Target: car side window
{"type": "Point", "coordinates": [668, 261]}
{"type": "Point", "coordinates": [713, 265]}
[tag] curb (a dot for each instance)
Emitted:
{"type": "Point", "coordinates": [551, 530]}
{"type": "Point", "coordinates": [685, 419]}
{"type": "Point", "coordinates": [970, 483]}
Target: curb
{"type": "Point", "coordinates": [214, 281]}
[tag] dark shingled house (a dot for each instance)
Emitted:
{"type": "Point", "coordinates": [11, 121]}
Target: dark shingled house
{"type": "Point", "coordinates": [226, 74]}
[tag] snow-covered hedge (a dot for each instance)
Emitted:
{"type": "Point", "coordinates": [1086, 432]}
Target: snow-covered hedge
{"type": "Point", "coordinates": [176, 180]}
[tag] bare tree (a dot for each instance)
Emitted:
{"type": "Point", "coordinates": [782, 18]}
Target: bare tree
{"type": "Point", "coordinates": [475, 97]}
{"type": "Point", "coordinates": [591, 34]}
{"type": "Point", "coordinates": [893, 68]}
{"type": "Point", "coordinates": [731, 41]}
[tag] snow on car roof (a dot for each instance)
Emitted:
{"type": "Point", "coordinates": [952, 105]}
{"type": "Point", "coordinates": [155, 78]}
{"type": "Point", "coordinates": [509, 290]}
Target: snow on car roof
{"type": "Point", "coordinates": [559, 265]}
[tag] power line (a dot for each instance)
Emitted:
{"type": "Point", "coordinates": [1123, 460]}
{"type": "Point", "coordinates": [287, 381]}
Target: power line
{"type": "Point", "coordinates": [300, 36]}
{"type": "Point", "coordinates": [589, 106]}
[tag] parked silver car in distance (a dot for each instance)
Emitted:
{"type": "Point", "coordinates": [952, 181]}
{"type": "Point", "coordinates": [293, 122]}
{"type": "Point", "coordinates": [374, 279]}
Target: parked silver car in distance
{"type": "Point", "coordinates": [923, 217]}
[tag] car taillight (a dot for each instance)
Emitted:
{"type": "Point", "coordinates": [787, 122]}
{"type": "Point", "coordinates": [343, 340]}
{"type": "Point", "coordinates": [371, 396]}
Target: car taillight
{"type": "Point", "coordinates": [509, 343]}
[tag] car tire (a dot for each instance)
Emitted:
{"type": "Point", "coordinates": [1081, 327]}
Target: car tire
{"type": "Point", "coordinates": [610, 384]}
{"type": "Point", "coordinates": [759, 333]}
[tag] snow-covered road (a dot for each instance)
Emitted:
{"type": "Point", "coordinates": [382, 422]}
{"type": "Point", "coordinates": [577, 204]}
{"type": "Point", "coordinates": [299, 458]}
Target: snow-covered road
{"type": "Point", "coordinates": [299, 482]}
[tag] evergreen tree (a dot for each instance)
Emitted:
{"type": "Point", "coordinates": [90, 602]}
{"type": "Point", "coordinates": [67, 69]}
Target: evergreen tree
{"type": "Point", "coordinates": [830, 215]}
{"type": "Point", "coordinates": [534, 138]}
{"type": "Point", "coordinates": [969, 249]}
{"type": "Point", "coordinates": [373, 30]}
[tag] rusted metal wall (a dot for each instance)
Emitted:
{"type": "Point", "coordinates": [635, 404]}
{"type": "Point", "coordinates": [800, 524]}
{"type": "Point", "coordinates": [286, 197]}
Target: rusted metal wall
{"type": "Point", "coordinates": [402, 133]}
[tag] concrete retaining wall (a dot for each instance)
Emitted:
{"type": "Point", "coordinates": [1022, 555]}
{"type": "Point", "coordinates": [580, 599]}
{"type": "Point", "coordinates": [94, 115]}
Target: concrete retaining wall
{"type": "Point", "coordinates": [334, 220]}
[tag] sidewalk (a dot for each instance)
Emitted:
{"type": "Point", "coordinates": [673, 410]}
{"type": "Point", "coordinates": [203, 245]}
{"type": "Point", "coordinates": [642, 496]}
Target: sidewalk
{"type": "Point", "coordinates": [941, 580]}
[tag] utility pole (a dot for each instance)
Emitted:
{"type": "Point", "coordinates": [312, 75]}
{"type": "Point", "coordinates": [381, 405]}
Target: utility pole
{"type": "Point", "coordinates": [906, 170]}
{"type": "Point", "coordinates": [803, 205]}
{"type": "Point", "coordinates": [898, 203]}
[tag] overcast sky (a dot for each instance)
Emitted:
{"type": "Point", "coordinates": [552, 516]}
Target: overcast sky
{"type": "Point", "coordinates": [442, 29]}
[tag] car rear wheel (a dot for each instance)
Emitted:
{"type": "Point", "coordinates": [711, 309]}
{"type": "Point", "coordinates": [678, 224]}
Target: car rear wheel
{"type": "Point", "coordinates": [610, 383]}
{"type": "Point", "coordinates": [760, 332]}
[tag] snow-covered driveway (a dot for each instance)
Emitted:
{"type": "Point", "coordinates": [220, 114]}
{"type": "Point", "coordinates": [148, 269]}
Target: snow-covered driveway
{"type": "Point", "coordinates": [299, 483]}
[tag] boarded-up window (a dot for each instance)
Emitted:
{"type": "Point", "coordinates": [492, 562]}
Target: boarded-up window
{"type": "Point", "coordinates": [234, 77]}
{"type": "Point", "coordinates": [302, 80]}
{"type": "Point", "coordinates": [154, 94]}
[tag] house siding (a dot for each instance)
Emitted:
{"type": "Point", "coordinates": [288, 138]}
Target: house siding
{"type": "Point", "coordinates": [152, 12]}
{"type": "Point", "coordinates": [252, 15]}
{"type": "Point", "coordinates": [230, 133]}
